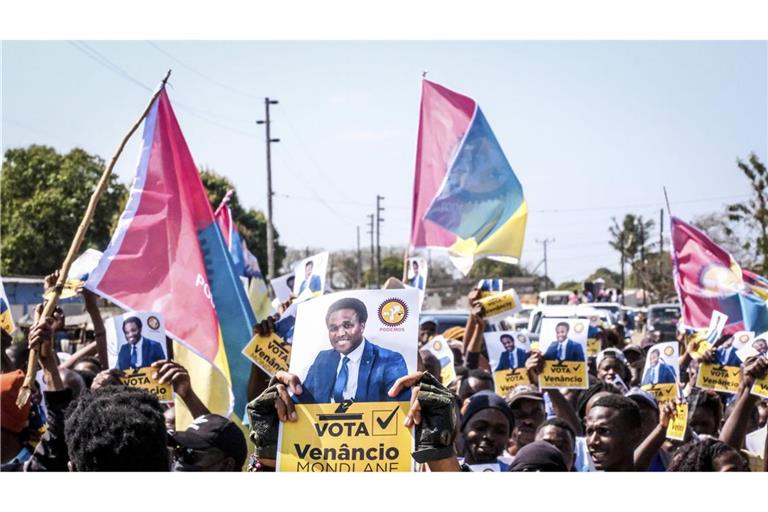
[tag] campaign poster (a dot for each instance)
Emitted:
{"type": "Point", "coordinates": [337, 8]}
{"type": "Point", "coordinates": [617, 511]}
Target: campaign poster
{"type": "Point", "coordinates": [712, 334]}
{"type": "Point", "coordinates": [416, 276]}
{"type": "Point", "coordinates": [563, 342]}
{"type": "Point", "coordinates": [508, 352]}
{"type": "Point", "coordinates": [282, 286]}
{"type": "Point", "coordinates": [135, 339]}
{"type": "Point", "coordinates": [439, 347]}
{"type": "Point", "coordinates": [309, 277]}
{"type": "Point", "coordinates": [679, 423]}
{"type": "Point", "coordinates": [661, 373]}
{"type": "Point", "coordinates": [489, 286]}
{"type": "Point", "coordinates": [6, 319]}
{"type": "Point", "coordinates": [348, 350]}
{"type": "Point", "coordinates": [270, 353]}
{"type": "Point", "coordinates": [593, 342]}
{"type": "Point", "coordinates": [757, 347]}
{"type": "Point", "coordinates": [501, 304]}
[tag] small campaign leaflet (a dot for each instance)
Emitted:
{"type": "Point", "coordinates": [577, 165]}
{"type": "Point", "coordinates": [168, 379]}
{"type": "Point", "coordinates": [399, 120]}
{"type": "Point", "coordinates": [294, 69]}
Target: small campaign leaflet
{"type": "Point", "coordinates": [282, 287]}
{"type": "Point", "coordinates": [416, 276]}
{"type": "Point", "coordinates": [78, 274]}
{"type": "Point", "coordinates": [135, 340]}
{"type": "Point", "coordinates": [270, 353]}
{"type": "Point", "coordinates": [724, 374]}
{"type": "Point", "coordinates": [678, 423]}
{"type": "Point", "coordinates": [439, 347]}
{"type": "Point", "coordinates": [662, 371]}
{"type": "Point", "coordinates": [593, 342]}
{"type": "Point", "coordinates": [309, 277]}
{"type": "Point", "coordinates": [489, 286]}
{"type": "Point", "coordinates": [348, 350]}
{"type": "Point", "coordinates": [707, 339]}
{"type": "Point", "coordinates": [500, 304]}
{"type": "Point", "coordinates": [563, 345]}
{"type": "Point", "coordinates": [6, 320]}
{"type": "Point", "coordinates": [508, 351]}
{"type": "Point", "coordinates": [757, 347]}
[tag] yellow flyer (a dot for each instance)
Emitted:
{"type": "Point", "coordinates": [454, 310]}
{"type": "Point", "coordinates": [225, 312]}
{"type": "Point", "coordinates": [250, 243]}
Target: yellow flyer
{"type": "Point", "coordinates": [439, 347]}
{"type": "Point", "coordinates": [678, 424]}
{"type": "Point", "coordinates": [499, 304]}
{"type": "Point", "coordinates": [593, 347]}
{"type": "Point", "coordinates": [719, 378]}
{"type": "Point", "coordinates": [356, 437]}
{"type": "Point", "coordinates": [270, 353]}
{"type": "Point", "coordinates": [142, 378]}
{"type": "Point", "coordinates": [564, 375]}
{"type": "Point", "coordinates": [760, 387]}
{"type": "Point", "coordinates": [663, 392]}
{"type": "Point", "coordinates": [506, 380]}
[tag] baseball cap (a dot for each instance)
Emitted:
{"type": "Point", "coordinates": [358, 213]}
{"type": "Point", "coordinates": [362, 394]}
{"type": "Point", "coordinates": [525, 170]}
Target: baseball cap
{"type": "Point", "coordinates": [633, 348]}
{"type": "Point", "coordinates": [528, 391]}
{"type": "Point", "coordinates": [641, 396]}
{"type": "Point", "coordinates": [486, 399]}
{"type": "Point", "coordinates": [214, 431]}
{"type": "Point", "coordinates": [11, 417]}
{"type": "Point", "coordinates": [610, 352]}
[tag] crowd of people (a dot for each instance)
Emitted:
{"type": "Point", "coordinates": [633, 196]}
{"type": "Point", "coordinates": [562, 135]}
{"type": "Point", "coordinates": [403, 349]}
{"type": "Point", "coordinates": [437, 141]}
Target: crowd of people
{"type": "Point", "coordinates": [82, 418]}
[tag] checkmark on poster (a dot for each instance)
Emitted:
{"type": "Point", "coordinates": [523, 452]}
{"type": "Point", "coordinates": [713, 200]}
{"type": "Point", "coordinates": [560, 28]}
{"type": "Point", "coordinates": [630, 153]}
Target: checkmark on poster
{"type": "Point", "coordinates": [384, 423]}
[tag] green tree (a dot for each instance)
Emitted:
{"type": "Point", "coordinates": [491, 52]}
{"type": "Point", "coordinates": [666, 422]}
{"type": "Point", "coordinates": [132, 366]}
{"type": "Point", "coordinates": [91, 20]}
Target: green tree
{"type": "Point", "coordinates": [251, 223]}
{"type": "Point", "coordinates": [44, 195]}
{"type": "Point", "coordinates": [391, 266]}
{"type": "Point", "coordinates": [753, 213]}
{"type": "Point", "coordinates": [612, 279]}
{"type": "Point", "coordinates": [631, 240]}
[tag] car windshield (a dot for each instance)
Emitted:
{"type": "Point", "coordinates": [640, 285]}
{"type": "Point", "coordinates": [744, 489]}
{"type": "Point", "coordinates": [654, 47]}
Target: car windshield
{"type": "Point", "coordinates": [556, 300]}
{"type": "Point", "coordinates": [664, 315]}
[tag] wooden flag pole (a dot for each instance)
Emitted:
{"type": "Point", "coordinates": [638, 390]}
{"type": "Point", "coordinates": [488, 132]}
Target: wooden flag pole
{"type": "Point", "coordinates": [74, 248]}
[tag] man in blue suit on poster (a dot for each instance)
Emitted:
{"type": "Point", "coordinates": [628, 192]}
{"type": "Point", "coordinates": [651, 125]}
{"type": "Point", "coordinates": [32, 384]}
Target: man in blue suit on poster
{"type": "Point", "coordinates": [310, 281]}
{"type": "Point", "coordinates": [417, 281]}
{"type": "Point", "coordinates": [658, 372]}
{"type": "Point", "coordinates": [564, 349]}
{"type": "Point", "coordinates": [725, 355]}
{"type": "Point", "coordinates": [354, 368]}
{"type": "Point", "coordinates": [139, 352]}
{"type": "Point", "coordinates": [512, 357]}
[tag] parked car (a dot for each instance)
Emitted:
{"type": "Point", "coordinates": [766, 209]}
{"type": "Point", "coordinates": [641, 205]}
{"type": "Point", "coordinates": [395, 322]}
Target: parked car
{"type": "Point", "coordinates": [444, 320]}
{"type": "Point", "coordinates": [662, 318]}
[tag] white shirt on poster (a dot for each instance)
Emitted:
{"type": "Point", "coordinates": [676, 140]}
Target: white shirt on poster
{"type": "Point", "coordinates": [353, 370]}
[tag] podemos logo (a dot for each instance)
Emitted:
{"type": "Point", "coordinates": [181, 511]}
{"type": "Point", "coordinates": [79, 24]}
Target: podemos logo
{"type": "Point", "coordinates": [393, 312]}
{"type": "Point", "coordinates": [153, 322]}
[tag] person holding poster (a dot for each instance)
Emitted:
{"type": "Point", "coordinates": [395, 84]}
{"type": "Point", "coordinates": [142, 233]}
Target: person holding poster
{"type": "Point", "coordinates": [354, 368]}
{"type": "Point", "coordinates": [564, 348]}
{"type": "Point", "coordinates": [138, 351]}
{"type": "Point", "coordinates": [657, 371]}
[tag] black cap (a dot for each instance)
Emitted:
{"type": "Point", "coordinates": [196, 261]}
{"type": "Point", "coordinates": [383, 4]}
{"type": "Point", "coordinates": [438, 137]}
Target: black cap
{"type": "Point", "coordinates": [486, 399]}
{"type": "Point", "coordinates": [214, 431]}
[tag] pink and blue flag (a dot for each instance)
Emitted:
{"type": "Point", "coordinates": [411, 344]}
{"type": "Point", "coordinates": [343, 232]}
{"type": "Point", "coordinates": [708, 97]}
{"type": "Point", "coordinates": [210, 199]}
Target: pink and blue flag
{"type": "Point", "coordinates": [168, 255]}
{"type": "Point", "coordinates": [708, 279]}
{"type": "Point", "coordinates": [466, 196]}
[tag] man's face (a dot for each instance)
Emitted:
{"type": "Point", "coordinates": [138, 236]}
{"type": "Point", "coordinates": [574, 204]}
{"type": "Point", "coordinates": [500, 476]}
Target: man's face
{"type": "Point", "coordinates": [760, 345]}
{"type": "Point", "coordinates": [345, 331]}
{"type": "Point", "coordinates": [508, 342]}
{"type": "Point", "coordinates": [561, 332]}
{"type": "Point", "coordinates": [702, 421]}
{"type": "Point", "coordinates": [415, 267]}
{"type": "Point", "coordinates": [608, 442]}
{"type": "Point", "coordinates": [132, 332]}
{"type": "Point", "coordinates": [560, 439]}
{"type": "Point", "coordinates": [426, 331]}
{"type": "Point", "coordinates": [486, 435]}
{"type": "Point", "coordinates": [308, 269]}
{"type": "Point", "coordinates": [654, 359]}
{"type": "Point", "coordinates": [528, 414]}
{"type": "Point", "coordinates": [609, 369]}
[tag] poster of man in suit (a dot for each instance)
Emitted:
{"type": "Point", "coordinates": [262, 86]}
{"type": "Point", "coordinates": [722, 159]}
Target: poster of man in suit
{"type": "Point", "coordinates": [416, 276]}
{"type": "Point", "coordinates": [508, 352]}
{"type": "Point", "coordinates": [136, 340]}
{"type": "Point", "coordinates": [309, 276]}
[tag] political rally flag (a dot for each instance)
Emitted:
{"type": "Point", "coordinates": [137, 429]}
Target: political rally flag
{"type": "Point", "coordinates": [466, 196]}
{"type": "Point", "coordinates": [708, 279]}
{"type": "Point", "coordinates": [246, 264]}
{"type": "Point", "coordinates": [168, 255]}
{"type": "Point", "coordinates": [6, 320]}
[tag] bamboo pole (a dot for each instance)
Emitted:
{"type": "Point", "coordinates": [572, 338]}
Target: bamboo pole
{"type": "Point", "coordinates": [74, 248]}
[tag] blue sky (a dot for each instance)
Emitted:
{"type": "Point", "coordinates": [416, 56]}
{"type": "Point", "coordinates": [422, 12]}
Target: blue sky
{"type": "Point", "coordinates": [592, 129]}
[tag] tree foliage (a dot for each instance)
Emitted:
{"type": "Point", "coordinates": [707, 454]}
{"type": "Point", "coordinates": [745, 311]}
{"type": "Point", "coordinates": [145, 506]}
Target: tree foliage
{"type": "Point", "coordinates": [44, 195]}
{"type": "Point", "coordinates": [251, 223]}
{"type": "Point", "coordinates": [753, 213]}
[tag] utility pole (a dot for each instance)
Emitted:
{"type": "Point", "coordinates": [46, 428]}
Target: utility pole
{"type": "Point", "coordinates": [379, 220]}
{"type": "Point", "coordinates": [544, 243]}
{"type": "Point", "coordinates": [621, 241]}
{"type": "Point", "coordinates": [642, 259]}
{"type": "Point", "coordinates": [661, 238]}
{"type": "Point", "coordinates": [359, 280]}
{"type": "Point", "coordinates": [371, 231]}
{"type": "Point", "coordinates": [270, 226]}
